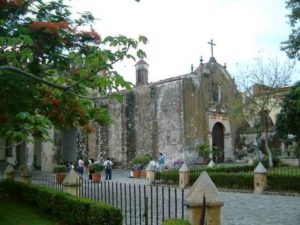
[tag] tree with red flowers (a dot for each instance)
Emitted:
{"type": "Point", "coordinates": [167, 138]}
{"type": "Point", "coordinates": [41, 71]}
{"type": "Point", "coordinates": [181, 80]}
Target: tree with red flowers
{"type": "Point", "coordinates": [53, 70]}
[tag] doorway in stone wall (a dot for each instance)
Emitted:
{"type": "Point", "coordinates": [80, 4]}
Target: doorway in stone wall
{"type": "Point", "coordinates": [218, 142]}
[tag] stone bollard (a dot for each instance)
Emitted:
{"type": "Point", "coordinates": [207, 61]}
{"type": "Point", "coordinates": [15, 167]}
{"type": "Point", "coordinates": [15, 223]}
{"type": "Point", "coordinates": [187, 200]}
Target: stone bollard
{"type": "Point", "coordinates": [211, 164]}
{"type": "Point", "coordinates": [9, 173]}
{"type": "Point", "coordinates": [260, 178]}
{"type": "Point", "coordinates": [194, 201]}
{"type": "Point", "coordinates": [71, 183]}
{"type": "Point", "coordinates": [150, 174]}
{"type": "Point", "coordinates": [26, 174]}
{"type": "Point", "coordinates": [184, 176]}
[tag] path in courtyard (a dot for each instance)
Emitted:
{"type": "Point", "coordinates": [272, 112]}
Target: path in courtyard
{"type": "Point", "coordinates": [247, 208]}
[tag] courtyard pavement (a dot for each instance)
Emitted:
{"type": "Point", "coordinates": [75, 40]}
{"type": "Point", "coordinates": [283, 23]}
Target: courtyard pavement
{"type": "Point", "coordinates": [246, 208]}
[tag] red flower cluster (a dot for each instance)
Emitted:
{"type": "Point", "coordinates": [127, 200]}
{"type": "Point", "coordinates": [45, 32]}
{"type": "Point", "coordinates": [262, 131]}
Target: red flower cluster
{"type": "Point", "coordinates": [50, 26]}
{"type": "Point", "coordinates": [17, 3]}
{"type": "Point", "coordinates": [92, 35]}
{"type": "Point", "coordinates": [55, 102]}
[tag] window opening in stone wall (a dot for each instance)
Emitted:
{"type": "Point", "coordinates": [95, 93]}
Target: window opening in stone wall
{"type": "Point", "coordinates": [216, 93]}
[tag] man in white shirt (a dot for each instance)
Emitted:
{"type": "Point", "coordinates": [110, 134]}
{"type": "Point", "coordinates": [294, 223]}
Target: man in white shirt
{"type": "Point", "coordinates": [108, 168]}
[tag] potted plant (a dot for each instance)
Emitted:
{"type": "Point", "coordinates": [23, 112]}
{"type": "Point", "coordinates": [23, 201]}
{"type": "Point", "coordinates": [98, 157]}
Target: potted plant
{"type": "Point", "coordinates": [96, 170]}
{"type": "Point", "coordinates": [60, 171]}
{"type": "Point", "coordinates": [138, 164]}
{"type": "Point", "coordinates": [204, 151]}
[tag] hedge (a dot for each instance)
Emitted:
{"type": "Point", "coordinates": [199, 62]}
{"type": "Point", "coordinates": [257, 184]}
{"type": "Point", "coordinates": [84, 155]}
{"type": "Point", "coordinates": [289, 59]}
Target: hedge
{"type": "Point", "coordinates": [278, 182]}
{"type": "Point", "coordinates": [175, 222]}
{"type": "Point", "coordinates": [62, 206]}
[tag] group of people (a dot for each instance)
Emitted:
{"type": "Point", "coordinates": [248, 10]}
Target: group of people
{"type": "Point", "coordinates": [107, 168]}
{"type": "Point", "coordinates": [161, 164]}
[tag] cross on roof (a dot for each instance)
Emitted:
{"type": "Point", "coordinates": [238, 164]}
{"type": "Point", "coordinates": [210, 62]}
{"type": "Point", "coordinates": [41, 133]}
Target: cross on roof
{"type": "Point", "coordinates": [211, 43]}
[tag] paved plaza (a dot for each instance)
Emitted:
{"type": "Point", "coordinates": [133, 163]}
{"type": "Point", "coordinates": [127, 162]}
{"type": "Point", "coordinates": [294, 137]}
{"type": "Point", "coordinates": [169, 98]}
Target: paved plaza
{"type": "Point", "coordinates": [246, 208]}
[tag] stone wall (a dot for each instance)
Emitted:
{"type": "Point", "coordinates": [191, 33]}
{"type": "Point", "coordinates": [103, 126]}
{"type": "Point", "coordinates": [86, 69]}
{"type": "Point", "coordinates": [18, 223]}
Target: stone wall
{"type": "Point", "coordinates": [145, 120]}
{"type": "Point", "coordinates": [115, 130]}
{"type": "Point", "coordinates": [170, 128]}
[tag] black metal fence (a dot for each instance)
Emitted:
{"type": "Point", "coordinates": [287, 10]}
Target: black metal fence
{"type": "Point", "coordinates": [140, 204]}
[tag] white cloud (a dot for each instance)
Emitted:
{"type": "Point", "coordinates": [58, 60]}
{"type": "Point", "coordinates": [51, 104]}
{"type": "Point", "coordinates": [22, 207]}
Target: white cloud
{"type": "Point", "coordinates": [178, 30]}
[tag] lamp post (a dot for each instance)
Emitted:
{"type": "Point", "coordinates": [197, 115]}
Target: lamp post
{"type": "Point", "coordinates": [257, 129]}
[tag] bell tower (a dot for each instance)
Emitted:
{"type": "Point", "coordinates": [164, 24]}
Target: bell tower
{"type": "Point", "coordinates": [141, 70]}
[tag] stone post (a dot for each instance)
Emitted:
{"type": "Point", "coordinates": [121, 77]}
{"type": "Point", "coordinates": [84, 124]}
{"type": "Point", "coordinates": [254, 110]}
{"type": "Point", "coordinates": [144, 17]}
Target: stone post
{"type": "Point", "coordinates": [195, 204]}
{"type": "Point", "coordinates": [260, 178]}
{"type": "Point", "coordinates": [9, 173]}
{"type": "Point", "coordinates": [184, 176]}
{"type": "Point", "coordinates": [211, 164]}
{"type": "Point", "coordinates": [150, 174]}
{"type": "Point", "coordinates": [26, 174]}
{"type": "Point", "coordinates": [71, 183]}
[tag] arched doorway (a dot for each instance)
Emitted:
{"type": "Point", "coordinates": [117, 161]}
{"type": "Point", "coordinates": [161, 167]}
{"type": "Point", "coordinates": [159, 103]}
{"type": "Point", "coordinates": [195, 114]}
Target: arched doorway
{"type": "Point", "coordinates": [218, 142]}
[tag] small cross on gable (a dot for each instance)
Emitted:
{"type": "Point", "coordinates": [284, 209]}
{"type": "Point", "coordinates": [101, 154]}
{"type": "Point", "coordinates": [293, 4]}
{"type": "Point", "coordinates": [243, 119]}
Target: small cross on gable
{"type": "Point", "coordinates": [212, 44]}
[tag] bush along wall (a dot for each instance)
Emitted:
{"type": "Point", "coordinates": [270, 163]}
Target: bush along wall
{"type": "Point", "coordinates": [175, 222]}
{"type": "Point", "coordinates": [64, 207]}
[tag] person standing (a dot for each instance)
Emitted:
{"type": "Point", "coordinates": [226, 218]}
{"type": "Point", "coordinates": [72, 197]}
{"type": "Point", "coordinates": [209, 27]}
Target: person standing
{"type": "Point", "coordinates": [108, 168]}
{"type": "Point", "coordinates": [80, 166]}
{"type": "Point", "coordinates": [161, 161]}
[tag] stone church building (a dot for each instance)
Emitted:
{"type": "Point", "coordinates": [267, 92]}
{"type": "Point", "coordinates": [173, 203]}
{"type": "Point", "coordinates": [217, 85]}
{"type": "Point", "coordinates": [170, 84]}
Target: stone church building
{"type": "Point", "coordinates": [171, 116]}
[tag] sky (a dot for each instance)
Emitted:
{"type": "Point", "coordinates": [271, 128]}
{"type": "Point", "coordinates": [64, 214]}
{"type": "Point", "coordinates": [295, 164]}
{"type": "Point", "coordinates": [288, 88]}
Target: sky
{"type": "Point", "coordinates": [179, 31]}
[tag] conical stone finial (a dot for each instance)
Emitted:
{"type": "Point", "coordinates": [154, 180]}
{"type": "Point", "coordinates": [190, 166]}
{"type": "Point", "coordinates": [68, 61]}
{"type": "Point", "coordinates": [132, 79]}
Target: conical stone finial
{"type": "Point", "coordinates": [72, 178]}
{"type": "Point", "coordinates": [203, 186]}
{"type": "Point", "coordinates": [184, 168]}
{"type": "Point", "coordinates": [9, 169]}
{"type": "Point", "coordinates": [260, 168]}
{"type": "Point", "coordinates": [150, 167]}
{"type": "Point", "coordinates": [211, 164]}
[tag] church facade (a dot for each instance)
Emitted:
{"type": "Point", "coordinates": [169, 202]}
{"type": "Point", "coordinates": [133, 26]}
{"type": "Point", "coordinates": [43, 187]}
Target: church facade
{"type": "Point", "coordinates": [173, 116]}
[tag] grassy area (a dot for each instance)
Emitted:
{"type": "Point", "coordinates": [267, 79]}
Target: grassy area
{"type": "Point", "coordinates": [19, 213]}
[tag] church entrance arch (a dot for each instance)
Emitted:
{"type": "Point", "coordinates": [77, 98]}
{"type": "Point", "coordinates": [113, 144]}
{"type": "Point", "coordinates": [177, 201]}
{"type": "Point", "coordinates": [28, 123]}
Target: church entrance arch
{"type": "Point", "coordinates": [218, 142]}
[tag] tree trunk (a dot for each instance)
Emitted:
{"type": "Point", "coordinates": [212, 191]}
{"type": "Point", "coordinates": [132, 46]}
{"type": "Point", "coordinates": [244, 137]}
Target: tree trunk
{"type": "Point", "coordinates": [266, 126]}
{"type": "Point", "coordinates": [268, 150]}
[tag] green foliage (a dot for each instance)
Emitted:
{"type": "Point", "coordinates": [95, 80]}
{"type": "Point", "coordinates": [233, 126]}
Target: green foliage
{"type": "Point", "coordinates": [97, 167]}
{"type": "Point", "coordinates": [175, 222]}
{"type": "Point", "coordinates": [204, 151]}
{"type": "Point", "coordinates": [167, 177]}
{"type": "Point", "coordinates": [278, 182]}
{"type": "Point", "coordinates": [64, 207]}
{"type": "Point", "coordinates": [60, 169]}
{"type": "Point", "coordinates": [288, 119]}
{"type": "Point", "coordinates": [243, 180]}
{"type": "Point", "coordinates": [292, 45]}
{"type": "Point", "coordinates": [50, 62]}
{"type": "Point", "coordinates": [14, 212]}
{"type": "Point", "coordinates": [139, 162]}
{"type": "Point", "coordinates": [239, 177]}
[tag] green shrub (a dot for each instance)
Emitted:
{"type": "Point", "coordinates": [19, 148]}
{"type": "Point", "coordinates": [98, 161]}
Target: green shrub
{"type": "Point", "coordinates": [97, 167]}
{"type": "Point", "coordinates": [60, 169]}
{"type": "Point", "coordinates": [277, 182]}
{"type": "Point", "coordinates": [175, 222]}
{"type": "Point", "coordinates": [105, 216]}
{"type": "Point", "coordinates": [62, 206]}
{"type": "Point", "coordinates": [168, 177]}
{"type": "Point", "coordinates": [140, 162]}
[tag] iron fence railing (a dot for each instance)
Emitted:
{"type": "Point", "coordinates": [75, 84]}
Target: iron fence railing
{"type": "Point", "coordinates": [140, 204]}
